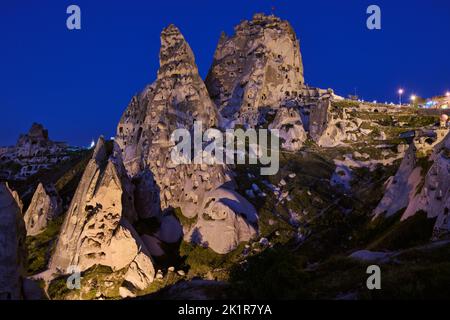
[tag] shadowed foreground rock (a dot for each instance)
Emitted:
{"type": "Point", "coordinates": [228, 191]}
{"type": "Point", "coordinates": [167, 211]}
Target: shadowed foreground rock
{"type": "Point", "coordinates": [12, 245]}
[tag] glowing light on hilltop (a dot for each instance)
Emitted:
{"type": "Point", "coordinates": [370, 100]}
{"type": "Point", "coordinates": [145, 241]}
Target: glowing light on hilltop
{"type": "Point", "coordinates": [92, 144]}
{"type": "Point", "coordinates": [447, 94]}
{"type": "Point", "coordinates": [413, 98]}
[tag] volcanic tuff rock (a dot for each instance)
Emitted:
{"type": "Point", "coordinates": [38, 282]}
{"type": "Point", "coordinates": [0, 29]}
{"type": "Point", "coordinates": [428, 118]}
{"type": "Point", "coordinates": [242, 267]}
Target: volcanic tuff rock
{"type": "Point", "coordinates": [225, 220]}
{"type": "Point", "coordinates": [259, 69]}
{"type": "Point", "coordinates": [97, 229]}
{"type": "Point", "coordinates": [331, 126]}
{"type": "Point", "coordinates": [175, 100]}
{"type": "Point", "coordinates": [401, 188]}
{"type": "Point", "coordinates": [289, 123]}
{"type": "Point", "coordinates": [259, 66]}
{"type": "Point", "coordinates": [45, 206]}
{"type": "Point", "coordinates": [12, 244]}
{"type": "Point", "coordinates": [434, 197]}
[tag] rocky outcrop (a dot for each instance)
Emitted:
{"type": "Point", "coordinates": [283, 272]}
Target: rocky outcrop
{"type": "Point", "coordinates": [45, 206]}
{"type": "Point", "coordinates": [177, 99]}
{"type": "Point", "coordinates": [289, 124]}
{"type": "Point", "coordinates": [12, 245]}
{"type": "Point", "coordinates": [416, 190]}
{"type": "Point", "coordinates": [97, 229]}
{"type": "Point", "coordinates": [258, 70]}
{"type": "Point", "coordinates": [33, 151]}
{"type": "Point", "coordinates": [434, 198]}
{"type": "Point", "coordinates": [258, 67]}
{"type": "Point", "coordinates": [225, 220]}
{"type": "Point", "coordinates": [330, 126]}
{"type": "Point", "coordinates": [401, 188]}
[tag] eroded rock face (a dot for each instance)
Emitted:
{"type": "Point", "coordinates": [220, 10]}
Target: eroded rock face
{"type": "Point", "coordinates": [12, 245]}
{"type": "Point", "coordinates": [401, 188]}
{"type": "Point", "coordinates": [45, 206]}
{"type": "Point", "coordinates": [259, 70]}
{"type": "Point", "coordinates": [176, 99]}
{"type": "Point", "coordinates": [289, 123]}
{"type": "Point", "coordinates": [259, 66]}
{"type": "Point", "coordinates": [225, 220]}
{"type": "Point", "coordinates": [434, 197]}
{"type": "Point", "coordinates": [331, 126]}
{"type": "Point", "coordinates": [97, 229]}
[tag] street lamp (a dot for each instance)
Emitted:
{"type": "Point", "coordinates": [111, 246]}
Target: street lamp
{"type": "Point", "coordinates": [400, 93]}
{"type": "Point", "coordinates": [447, 94]}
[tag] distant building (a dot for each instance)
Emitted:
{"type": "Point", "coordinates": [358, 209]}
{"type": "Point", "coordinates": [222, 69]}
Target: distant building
{"type": "Point", "coordinates": [442, 102]}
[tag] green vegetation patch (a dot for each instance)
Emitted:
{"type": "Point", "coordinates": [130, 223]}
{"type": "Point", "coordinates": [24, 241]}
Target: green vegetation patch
{"type": "Point", "coordinates": [188, 222]}
{"type": "Point", "coordinates": [200, 260]}
{"type": "Point", "coordinates": [96, 282]}
{"type": "Point", "coordinates": [41, 246]}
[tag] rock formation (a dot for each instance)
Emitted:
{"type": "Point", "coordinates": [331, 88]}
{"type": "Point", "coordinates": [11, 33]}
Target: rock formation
{"type": "Point", "coordinates": [434, 198]}
{"type": "Point", "coordinates": [401, 188]}
{"type": "Point", "coordinates": [289, 123]}
{"type": "Point", "coordinates": [415, 190]}
{"type": "Point", "coordinates": [97, 229]}
{"type": "Point", "coordinates": [225, 220]}
{"type": "Point", "coordinates": [175, 100]}
{"type": "Point", "coordinates": [33, 151]}
{"type": "Point", "coordinates": [259, 70]}
{"type": "Point", "coordinates": [259, 66]}
{"type": "Point", "coordinates": [12, 245]}
{"type": "Point", "coordinates": [45, 206]}
{"type": "Point", "coordinates": [330, 126]}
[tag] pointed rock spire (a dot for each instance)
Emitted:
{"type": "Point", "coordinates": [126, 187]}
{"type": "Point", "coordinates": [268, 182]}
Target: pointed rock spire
{"type": "Point", "coordinates": [175, 54]}
{"type": "Point", "coordinates": [45, 206]}
{"type": "Point", "coordinates": [100, 153]}
{"type": "Point", "coordinates": [97, 229]}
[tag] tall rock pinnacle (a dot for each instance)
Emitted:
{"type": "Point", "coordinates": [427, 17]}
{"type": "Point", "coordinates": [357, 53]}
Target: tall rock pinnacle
{"type": "Point", "coordinates": [259, 66]}
{"type": "Point", "coordinates": [177, 99]}
{"type": "Point", "coordinates": [97, 229]}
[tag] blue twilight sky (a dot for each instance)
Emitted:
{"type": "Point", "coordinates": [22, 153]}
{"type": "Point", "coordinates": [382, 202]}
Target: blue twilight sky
{"type": "Point", "coordinates": [77, 83]}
